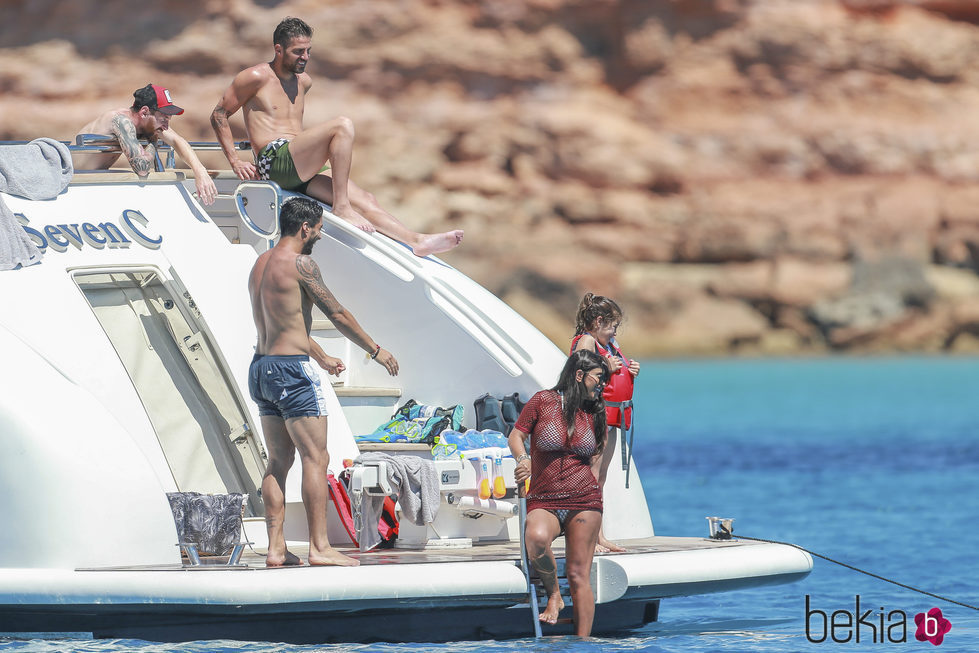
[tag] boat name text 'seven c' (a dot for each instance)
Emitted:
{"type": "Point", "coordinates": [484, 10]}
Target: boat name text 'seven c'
{"type": "Point", "coordinates": [104, 234]}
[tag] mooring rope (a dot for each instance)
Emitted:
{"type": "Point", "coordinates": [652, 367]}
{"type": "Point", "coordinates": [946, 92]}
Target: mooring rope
{"type": "Point", "coordinates": [843, 564]}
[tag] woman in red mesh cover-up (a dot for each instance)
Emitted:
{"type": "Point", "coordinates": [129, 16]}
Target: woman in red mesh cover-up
{"type": "Point", "coordinates": [565, 496]}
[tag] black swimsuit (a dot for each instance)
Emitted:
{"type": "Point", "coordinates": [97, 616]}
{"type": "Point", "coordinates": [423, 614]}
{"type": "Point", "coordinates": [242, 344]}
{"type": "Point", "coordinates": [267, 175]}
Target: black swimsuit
{"type": "Point", "coordinates": [563, 515]}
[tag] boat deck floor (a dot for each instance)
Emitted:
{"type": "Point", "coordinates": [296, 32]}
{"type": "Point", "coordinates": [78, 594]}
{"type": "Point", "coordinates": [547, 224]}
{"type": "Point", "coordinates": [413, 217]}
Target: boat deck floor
{"type": "Point", "coordinates": [253, 558]}
{"type": "Point", "coordinates": [502, 551]}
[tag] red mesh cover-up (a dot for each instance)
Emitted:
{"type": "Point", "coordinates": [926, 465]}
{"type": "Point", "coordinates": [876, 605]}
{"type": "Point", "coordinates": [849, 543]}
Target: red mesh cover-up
{"type": "Point", "coordinates": [561, 476]}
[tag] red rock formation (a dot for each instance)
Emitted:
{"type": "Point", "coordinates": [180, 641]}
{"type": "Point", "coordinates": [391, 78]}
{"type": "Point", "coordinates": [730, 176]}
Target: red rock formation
{"type": "Point", "coordinates": [719, 166]}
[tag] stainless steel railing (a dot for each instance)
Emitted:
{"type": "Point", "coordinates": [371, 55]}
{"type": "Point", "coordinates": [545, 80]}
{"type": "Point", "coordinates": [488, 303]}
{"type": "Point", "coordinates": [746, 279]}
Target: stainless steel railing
{"type": "Point", "coordinates": [105, 143]}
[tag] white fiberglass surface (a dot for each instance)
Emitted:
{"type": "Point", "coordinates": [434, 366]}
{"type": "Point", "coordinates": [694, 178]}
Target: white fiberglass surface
{"type": "Point", "coordinates": [191, 408]}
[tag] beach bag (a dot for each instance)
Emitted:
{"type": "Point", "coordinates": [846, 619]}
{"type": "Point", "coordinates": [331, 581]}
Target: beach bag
{"type": "Point", "coordinates": [432, 419]}
{"type": "Point", "coordinates": [211, 522]}
{"type": "Point", "coordinates": [418, 423]}
{"type": "Point", "coordinates": [497, 414]}
{"type": "Point", "coordinates": [397, 429]}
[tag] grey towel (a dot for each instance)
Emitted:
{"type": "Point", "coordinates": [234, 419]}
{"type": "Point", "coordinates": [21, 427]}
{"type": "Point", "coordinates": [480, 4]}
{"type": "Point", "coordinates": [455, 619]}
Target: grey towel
{"type": "Point", "coordinates": [417, 485]}
{"type": "Point", "coordinates": [39, 170]}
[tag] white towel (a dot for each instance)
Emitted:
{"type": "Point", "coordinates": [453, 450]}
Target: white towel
{"type": "Point", "coordinates": [38, 170]}
{"type": "Point", "coordinates": [417, 484]}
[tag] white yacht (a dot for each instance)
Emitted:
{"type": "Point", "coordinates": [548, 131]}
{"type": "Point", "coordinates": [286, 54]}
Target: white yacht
{"type": "Point", "coordinates": [125, 354]}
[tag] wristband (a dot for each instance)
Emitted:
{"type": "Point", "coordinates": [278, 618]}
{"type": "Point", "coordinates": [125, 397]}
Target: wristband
{"type": "Point", "coordinates": [376, 352]}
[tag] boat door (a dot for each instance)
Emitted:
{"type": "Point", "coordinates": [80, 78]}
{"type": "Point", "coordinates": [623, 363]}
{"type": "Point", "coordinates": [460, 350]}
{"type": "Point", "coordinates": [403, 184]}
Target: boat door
{"type": "Point", "coordinates": [190, 399]}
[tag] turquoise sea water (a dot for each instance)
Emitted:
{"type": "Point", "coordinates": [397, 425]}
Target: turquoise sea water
{"type": "Point", "coordinates": [874, 462]}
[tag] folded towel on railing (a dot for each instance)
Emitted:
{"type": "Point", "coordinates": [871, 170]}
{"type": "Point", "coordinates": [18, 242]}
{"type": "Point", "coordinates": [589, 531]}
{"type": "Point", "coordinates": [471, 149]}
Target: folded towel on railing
{"type": "Point", "coordinates": [38, 170]}
{"type": "Point", "coordinates": [417, 485]}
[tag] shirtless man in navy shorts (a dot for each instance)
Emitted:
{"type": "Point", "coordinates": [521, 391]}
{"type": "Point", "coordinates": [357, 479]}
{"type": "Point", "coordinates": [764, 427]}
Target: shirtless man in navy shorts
{"type": "Point", "coordinates": [272, 96]}
{"type": "Point", "coordinates": [284, 285]}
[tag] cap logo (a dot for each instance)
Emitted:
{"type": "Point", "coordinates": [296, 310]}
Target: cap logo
{"type": "Point", "coordinates": [163, 101]}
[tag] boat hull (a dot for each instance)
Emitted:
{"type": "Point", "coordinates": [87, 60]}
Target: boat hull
{"type": "Point", "coordinates": [382, 600]}
{"type": "Point", "coordinates": [451, 620]}
{"type": "Point", "coordinates": [132, 342]}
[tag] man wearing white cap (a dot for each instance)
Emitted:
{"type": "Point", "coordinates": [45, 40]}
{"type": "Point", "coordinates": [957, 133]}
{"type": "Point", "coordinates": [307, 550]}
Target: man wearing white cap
{"type": "Point", "coordinates": [148, 118]}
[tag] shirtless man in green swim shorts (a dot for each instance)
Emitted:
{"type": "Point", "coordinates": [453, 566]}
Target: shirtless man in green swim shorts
{"type": "Point", "coordinates": [272, 96]}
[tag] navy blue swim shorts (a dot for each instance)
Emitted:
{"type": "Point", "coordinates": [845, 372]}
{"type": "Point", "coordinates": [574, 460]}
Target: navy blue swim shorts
{"type": "Point", "coordinates": [286, 386]}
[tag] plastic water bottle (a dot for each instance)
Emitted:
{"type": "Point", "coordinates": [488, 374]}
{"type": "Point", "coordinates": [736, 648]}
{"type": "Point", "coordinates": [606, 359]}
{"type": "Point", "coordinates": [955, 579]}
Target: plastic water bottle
{"type": "Point", "coordinates": [484, 478]}
{"type": "Point", "coordinates": [474, 440]}
{"type": "Point", "coordinates": [497, 443]}
{"type": "Point", "coordinates": [500, 447]}
{"type": "Point", "coordinates": [499, 483]}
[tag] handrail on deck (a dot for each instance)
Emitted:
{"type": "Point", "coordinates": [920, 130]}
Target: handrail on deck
{"type": "Point", "coordinates": [106, 143]}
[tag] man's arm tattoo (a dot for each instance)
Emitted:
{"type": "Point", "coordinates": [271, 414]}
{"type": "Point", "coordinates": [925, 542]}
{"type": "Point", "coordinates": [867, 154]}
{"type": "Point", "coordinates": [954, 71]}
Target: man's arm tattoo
{"type": "Point", "coordinates": [312, 281]}
{"type": "Point", "coordinates": [125, 131]}
{"type": "Point", "coordinates": [219, 117]}
{"type": "Point", "coordinates": [151, 154]}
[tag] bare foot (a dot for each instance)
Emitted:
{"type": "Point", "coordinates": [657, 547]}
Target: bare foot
{"type": "Point", "coordinates": [354, 218]}
{"type": "Point", "coordinates": [607, 546]}
{"type": "Point", "coordinates": [554, 605]}
{"type": "Point", "coordinates": [436, 243]}
{"type": "Point", "coordinates": [288, 559]}
{"type": "Point", "coordinates": [331, 557]}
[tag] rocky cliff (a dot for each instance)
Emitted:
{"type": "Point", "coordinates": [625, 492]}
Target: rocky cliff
{"type": "Point", "coordinates": [748, 176]}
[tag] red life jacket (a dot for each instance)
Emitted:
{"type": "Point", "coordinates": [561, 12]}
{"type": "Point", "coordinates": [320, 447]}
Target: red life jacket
{"type": "Point", "coordinates": [618, 390]}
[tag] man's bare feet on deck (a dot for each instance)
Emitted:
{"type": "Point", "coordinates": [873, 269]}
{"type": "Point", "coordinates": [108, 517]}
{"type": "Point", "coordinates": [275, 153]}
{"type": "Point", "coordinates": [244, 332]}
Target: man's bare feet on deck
{"type": "Point", "coordinates": [331, 557]}
{"type": "Point", "coordinates": [354, 218]}
{"type": "Point", "coordinates": [437, 243]}
{"type": "Point", "coordinates": [288, 559]}
{"type": "Point", "coordinates": [554, 606]}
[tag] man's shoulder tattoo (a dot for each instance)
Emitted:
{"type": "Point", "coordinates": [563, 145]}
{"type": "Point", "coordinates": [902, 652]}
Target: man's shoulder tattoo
{"type": "Point", "coordinates": [124, 124]}
{"type": "Point", "coordinates": [312, 281]}
{"type": "Point", "coordinates": [307, 267]}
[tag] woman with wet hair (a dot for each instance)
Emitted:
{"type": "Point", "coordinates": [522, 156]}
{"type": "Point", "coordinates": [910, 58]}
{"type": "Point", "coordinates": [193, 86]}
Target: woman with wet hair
{"type": "Point", "coordinates": [567, 432]}
{"type": "Point", "coordinates": [596, 325]}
